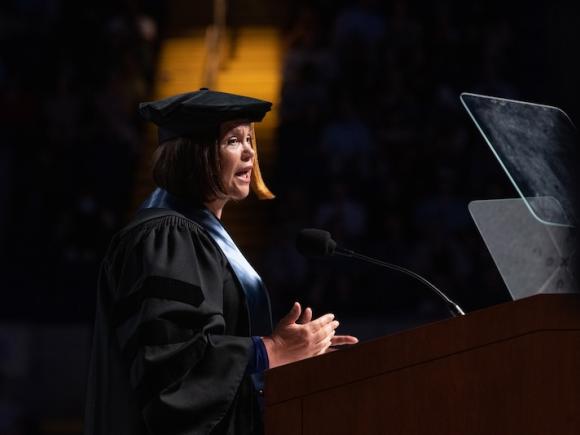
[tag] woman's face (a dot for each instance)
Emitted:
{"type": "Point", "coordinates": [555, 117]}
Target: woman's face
{"type": "Point", "coordinates": [236, 158]}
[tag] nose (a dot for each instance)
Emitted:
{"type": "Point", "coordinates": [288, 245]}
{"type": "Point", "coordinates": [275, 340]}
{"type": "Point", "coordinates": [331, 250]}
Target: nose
{"type": "Point", "coordinates": [248, 152]}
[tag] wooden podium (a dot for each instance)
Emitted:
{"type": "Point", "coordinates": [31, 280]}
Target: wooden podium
{"type": "Point", "coordinates": [509, 369]}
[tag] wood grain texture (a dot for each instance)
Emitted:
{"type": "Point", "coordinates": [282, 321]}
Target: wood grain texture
{"type": "Point", "coordinates": [284, 418]}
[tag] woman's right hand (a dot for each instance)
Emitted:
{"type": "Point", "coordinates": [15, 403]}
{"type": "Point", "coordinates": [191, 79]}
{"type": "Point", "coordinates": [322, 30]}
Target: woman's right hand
{"type": "Point", "coordinates": [293, 341]}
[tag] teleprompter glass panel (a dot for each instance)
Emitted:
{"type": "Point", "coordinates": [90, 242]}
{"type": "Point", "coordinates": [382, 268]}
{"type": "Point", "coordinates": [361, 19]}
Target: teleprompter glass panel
{"type": "Point", "coordinates": [531, 256]}
{"type": "Point", "coordinates": [537, 146]}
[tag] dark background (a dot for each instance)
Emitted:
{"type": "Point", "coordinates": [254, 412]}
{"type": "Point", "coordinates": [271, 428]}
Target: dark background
{"type": "Point", "coordinates": [373, 145]}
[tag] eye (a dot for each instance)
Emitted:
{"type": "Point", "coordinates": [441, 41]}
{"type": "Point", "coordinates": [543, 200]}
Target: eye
{"type": "Point", "coordinates": [232, 140]}
{"type": "Point", "coordinates": [249, 139]}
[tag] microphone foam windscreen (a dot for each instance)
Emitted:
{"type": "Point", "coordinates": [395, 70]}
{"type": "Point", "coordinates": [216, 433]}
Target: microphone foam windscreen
{"type": "Point", "coordinates": [315, 243]}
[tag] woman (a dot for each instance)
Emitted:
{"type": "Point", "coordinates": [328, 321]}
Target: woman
{"type": "Point", "coordinates": [183, 329]}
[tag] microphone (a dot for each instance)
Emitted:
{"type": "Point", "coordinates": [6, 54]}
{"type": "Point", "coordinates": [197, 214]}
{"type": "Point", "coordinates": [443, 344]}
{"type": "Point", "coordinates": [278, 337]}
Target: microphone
{"type": "Point", "coordinates": [311, 242]}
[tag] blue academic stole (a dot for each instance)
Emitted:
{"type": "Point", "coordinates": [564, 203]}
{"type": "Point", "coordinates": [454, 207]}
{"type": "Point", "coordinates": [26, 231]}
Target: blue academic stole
{"type": "Point", "coordinates": [251, 283]}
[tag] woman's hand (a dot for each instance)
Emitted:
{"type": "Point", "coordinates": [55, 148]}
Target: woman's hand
{"type": "Point", "coordinates": [292, 341]}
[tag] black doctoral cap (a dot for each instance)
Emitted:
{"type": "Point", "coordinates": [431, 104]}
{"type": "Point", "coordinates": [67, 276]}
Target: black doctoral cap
{"type": "Point", "coordinates": [200, 112]}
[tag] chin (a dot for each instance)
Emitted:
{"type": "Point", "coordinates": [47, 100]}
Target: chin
{"type": "Point", "coordinates": [238, 196]}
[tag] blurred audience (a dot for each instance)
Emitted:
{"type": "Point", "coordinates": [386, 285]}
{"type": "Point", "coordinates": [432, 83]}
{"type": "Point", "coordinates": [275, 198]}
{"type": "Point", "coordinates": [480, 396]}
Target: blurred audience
{"type": "Point", "coordinates": [71, 75]}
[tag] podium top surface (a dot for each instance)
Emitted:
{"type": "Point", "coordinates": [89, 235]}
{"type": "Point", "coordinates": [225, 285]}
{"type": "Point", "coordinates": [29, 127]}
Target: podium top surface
{"type": "Point", "coordinates": [543, 312]}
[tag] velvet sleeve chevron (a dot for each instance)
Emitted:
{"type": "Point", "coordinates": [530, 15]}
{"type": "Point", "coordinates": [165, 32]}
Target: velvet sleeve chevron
{"type": "Point", "coordinates": [184, 362]}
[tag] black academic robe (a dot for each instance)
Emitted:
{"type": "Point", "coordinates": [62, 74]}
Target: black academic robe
{"type": "Point", "coordinates": [171, 342]}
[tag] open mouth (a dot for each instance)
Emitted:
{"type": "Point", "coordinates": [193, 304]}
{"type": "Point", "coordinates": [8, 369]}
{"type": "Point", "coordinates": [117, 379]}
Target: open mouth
{"type": "Point", "coordinates": [244, 174]}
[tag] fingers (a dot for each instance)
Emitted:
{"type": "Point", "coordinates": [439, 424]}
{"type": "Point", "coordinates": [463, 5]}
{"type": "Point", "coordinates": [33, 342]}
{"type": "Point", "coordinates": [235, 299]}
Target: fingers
{"type": "Point", "coordinates": [321, 321]}
{"type": "Point", "coordinates": [326, 332]}
{"type": "Point", "coordinates": [322, 328]}
{"type": "Point", "coordinates": [292, 315]}
{"type": "Point", "coordinates": [306, 316]}
{"type": "Point", "coordinates": [339, 340]}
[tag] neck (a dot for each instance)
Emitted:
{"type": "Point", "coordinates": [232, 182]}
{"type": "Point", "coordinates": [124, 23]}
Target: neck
{"type": "Point", "coordinates": [216, 206]}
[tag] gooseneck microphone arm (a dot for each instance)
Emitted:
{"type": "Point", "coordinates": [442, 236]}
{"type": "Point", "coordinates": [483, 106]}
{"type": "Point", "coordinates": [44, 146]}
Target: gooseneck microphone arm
{"type": "Point", "coordinates": [452, 306]}
{"type": "Point", "coordinates": [312, 242]}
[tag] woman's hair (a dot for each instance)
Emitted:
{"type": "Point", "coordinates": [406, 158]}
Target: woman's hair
{"type": "Point", "coordinates": [189, 170]}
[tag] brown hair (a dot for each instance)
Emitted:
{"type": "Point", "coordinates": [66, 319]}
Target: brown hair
{"type": "Point", "coordinates": [188, 170]}
{"type": "Point", "coordinates": [257, 182]}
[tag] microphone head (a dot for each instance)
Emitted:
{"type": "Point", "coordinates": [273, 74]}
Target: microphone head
{"type": "Point", "coordinates": [311, 242]}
